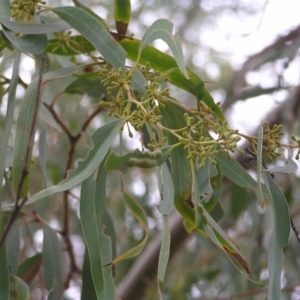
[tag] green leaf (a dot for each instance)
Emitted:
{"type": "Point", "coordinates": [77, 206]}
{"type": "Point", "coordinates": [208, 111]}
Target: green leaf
{"type": "Point", "coordinates": [30, 43]}
{"type": "Point", "coordinates": [30, 267]}
{"type": "Point", "coordinates": [4, 275]}
{"type": "Point", "coordinates": [166, 189]}
{"type": "Point", "coordinates": [172, 117]}
{"type": "Point", "coordinates": [95, 32]}
{"type": "Point", "coordinates": [289, 168]}
{"type": "Point", "coordinates": [122, 13]}
{"type": "Point", "coordinates": [52, 264]}
{"type": "Point", "coordinates": [90, 12]}
{"type": "Point", "coordinates": [13, 248]}
{"type": "Point", "coordinates": [89, 84]}
{"type": "Point", "coordinates": [233, 171]}
{"type": "Point", "coordinates": [220, 238]}
{"type": "Point", "coordinates": [258, 166]}
{"type": "Point", "coordinates": [27, 28]}
{"type": "Point", "coordinates": [21, 289]}
{"type": "Point", "coordinates": [92, 208]}
{"type": "Point", "coordinates": [88, 288]}
{"type": "Point", "coordinates": [102, 139]}
{"type": "Point", "coordinates": [141, 159]}
{"type": "Point", "coordinates": [216, 185]}
{"type": "Point", "coordinates": [162, 29]}
{"type": "Point", "coordinates": [166, 64]}
{"type": "Point", "coordinates": [8, 123]}
{"type": "Point", "coordinates": [76, 44]}
{"type": "Point", "coordinates": [138, 212]}
{"type": "Point", "coordinates": [23, 138]}
{"type": "Point", "coordinates": [4, 43]}
{"type": "Point", "coordinates": [279, 237]}
{"type": "Point", "coordinates": [164, 253]}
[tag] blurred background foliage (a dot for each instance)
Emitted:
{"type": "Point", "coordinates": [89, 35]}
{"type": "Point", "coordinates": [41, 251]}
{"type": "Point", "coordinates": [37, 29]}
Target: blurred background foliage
{"type": "Point", "coordinates": [209, 31]}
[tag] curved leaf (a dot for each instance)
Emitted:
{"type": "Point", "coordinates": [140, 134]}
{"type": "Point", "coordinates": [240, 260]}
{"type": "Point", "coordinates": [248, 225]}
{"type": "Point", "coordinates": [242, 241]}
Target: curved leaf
{"type": "Point", "coordinates": [8, 122]}
{"type": "Point", "coordinates": [92, 208]}
{"type": "Point", "coordinates": [95, 32]}
{"type": "Point", "coordinates": [22, 291]}
{"type": "Point", "coordinates": [52, 264]}
{"type": "Point", "coordinates": [29, 106]}
{"type": "Point", "coordinates": [164, 253]}
{"type": "Point", "coordinates": [172, 117]}
{"type": "Point", "coordinates": [290, 167]}
{"type": "Point", "coordinates": [30, 43]}
{"type": "Point", "coordinates": [166, 64]}
{"type": "Point", "coordinates": [102, 139]}
{"type": "Point", "coordinates": [279, 237]}
{"type": "Point", "coordinates": [27, 28]}
{"type": "Point", "coordinates": [166, 189]}
{"type": "Point", "coordinates": [138, 212]}
{"type": "Point", "coordinates": [162, 29]}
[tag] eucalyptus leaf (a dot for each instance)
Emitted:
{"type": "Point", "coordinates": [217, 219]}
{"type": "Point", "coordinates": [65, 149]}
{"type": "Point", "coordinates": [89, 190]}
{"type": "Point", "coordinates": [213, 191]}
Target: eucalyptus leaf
{"type": "Point", "coordinates": [92, 208]}
{"type": "Point", "coordinates": [279, 238]}
{"type": "Point", "coordinates": [21, 289]}
{"type": "Point", "coordinates": [102, 138]}
{"type": "Point", "coordinates": [162, 29]}
{"type": "Point", "coordinates": [30, 43]}
{"type": "Point", "coordinates": [52, 264]}
{"type": "Point", "coordinates": [138, 212]}
{"type": "Point", "coordinates": [289, 168]}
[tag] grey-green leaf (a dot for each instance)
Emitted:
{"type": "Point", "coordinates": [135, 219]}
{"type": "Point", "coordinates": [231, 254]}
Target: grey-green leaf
{"type": "Point", "coordinates": [102, 138]}
{"type": "Point", "coordinates": [22, 291]}
{"type": "Point", "coordinates": [4, 275]}
{"type": "Point", "coordinates": [166, 188]}
{"type": "Point", "coordinates": [30, 43]}
{"type": "Point", "coordinates": [52, 264]}
{"type": "Point", "coordinates": [289, 168]}
{"type": "Point", "coordinates": [95, 32]}
{"type": "Point", "coordinates": [279, 238]}
{"type": "Point", "coordinates": [162, 29]}
{"type": "Point", "coordinates": [92, 207]}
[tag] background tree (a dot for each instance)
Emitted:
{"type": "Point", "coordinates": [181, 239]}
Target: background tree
{"type": "Point", "coordinates": [100, 155]}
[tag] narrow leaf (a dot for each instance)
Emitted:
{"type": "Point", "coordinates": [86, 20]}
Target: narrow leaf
{"type": "Point", "coordinates": [102, 139]}
{"type": "Point", "coordinates": [52, 264]}
{"type": "Point", "coordinates": [164, 253]}
{"type": "Point", "coordinates": [162, 29]}
{"type": "Point", "coordinates": [19, 27]}
{"type": "Point", "coordinates": [95, 32]}
{"type": "Point", "coordinates": [30, 43]}
{"type": "Point", "coordinates": [92, 208]}
{"type": "Point", "coordinates": [88, 288]}
{"type": "Point", "coordinates": [4, 275]}
{"type": "Point", "coordinates": [166, 188]}
{"type": "Point", "coordinates": [13, 248]}
{"type": "Point", "coordinates": [166, 64]}
{"type": "Point", "coordinates": [90, 12]}
{"type": "Point", "coordinates": [138, 212]}
{"type": "Point", "coordinates": [8, 122]}
{"type": "Point", "coordinates": [258, 166]}
{"type": "Point", "coordinates": [233, 171]}
{"type": "Point", "coordinates": [180, 170]}
{"type": "Point", "coordinates": [279, 238]}
{"type": "Point", "coordinates": [28, 107]}
{"type": "Point", "coordinates": [289, 168]}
